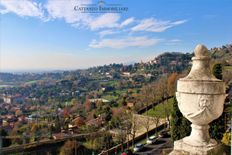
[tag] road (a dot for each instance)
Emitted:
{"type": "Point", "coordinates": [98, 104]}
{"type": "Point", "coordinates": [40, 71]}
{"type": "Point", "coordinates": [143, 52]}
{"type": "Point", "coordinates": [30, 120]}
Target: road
{"type": "Point", "coordinates": [155, 148]}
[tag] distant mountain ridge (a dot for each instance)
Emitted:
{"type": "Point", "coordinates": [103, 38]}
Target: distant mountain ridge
{"type": "Point", "coordinates": [167, 62]}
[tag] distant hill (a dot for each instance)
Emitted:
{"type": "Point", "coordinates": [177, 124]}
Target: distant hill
{"type": "Point", "coordinates": [173, 61]}
{"type": "Point", "coordinates": [107, 80]}
{"type": "Point", "coordinates": [167, 62]}
{"type": "Point", "coordinates": [223, 54]}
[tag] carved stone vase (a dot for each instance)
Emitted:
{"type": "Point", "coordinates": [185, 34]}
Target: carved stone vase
{"type": "Point", "coordinates": [200, 99]}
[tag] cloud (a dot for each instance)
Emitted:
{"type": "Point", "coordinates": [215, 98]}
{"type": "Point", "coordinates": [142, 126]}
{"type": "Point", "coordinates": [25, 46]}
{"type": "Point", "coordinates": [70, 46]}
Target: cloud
{"type": "Point", "coordinates": [173, 42]}
{"type": "Point", "coordinates": [64, 9]}
{"type": "Point", "coordinates": [127, 22]}
{"type": "Point", "coordinates": [21, 8]}
{"type": "Point", "coordinates": [107, 32]}
{"type": "Point", "coordinates": [125, 42]}
{"type": "Point", "coordinates": [154, 25]}
{"type": "Point", "coordinates": [61, 9]}
{"type": "Point", "coordinates": [115, 25]}
{"type": "Point", "coordinates": [107, 20]}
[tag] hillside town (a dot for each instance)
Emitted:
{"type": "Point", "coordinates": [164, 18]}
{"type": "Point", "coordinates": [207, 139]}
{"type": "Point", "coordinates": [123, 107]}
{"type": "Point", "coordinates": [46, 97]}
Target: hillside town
{"type": "Point", "coordinates": [43, 107]}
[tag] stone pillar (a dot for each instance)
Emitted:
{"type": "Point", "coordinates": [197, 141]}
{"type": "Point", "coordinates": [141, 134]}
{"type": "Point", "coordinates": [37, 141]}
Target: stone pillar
{"type": "Point", "coordinates": [200, 99]}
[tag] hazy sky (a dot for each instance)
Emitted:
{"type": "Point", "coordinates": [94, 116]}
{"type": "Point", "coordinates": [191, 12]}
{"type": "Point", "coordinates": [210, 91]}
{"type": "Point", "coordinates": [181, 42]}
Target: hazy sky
{"type": "Point", "coordinates": [50, 34]}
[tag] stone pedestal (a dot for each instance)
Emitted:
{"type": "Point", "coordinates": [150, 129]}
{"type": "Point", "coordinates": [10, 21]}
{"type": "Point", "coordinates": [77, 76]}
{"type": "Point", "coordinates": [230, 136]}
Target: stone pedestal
{"type": "Point", "coordinates": [200, 137]}
{"type": "Point", "coordinates": [181, 148]}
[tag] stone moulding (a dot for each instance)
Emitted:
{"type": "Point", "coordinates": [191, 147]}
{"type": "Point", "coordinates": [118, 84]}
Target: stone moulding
{"type": "Point", "coordinates": [201, 87]}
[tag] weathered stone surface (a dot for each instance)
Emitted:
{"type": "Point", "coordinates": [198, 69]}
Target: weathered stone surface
{"type": "Point", "coordinates": [201, 51]}
{"type": "Point", "coordinates": [200, 99]}
{"type": "Point", "coordinates": [181, 148]}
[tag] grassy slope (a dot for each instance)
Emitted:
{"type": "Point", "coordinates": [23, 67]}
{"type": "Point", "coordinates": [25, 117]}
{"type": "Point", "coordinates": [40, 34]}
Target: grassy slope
{"type": "Point", "coordinates": [159, 110]}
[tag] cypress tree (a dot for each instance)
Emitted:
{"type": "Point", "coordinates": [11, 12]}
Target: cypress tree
{"type": "Point", "coordinates": [217, 71]}
{"type": "Point", "coordinates": [185, 127]}
{"type": "Point", "coordinates": [180, 126]}
{"type": "Point", "coordinates": [175, 121]}
{"type": "Point", "coordinates": [217, 127]}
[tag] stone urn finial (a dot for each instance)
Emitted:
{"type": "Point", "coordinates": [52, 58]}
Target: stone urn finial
{"type": "Point", "coordinates": [200, 99]}
{"type": "Point", "coordinates": [201, 69]}
{"type": "Point", "coordinates": [201, 51]}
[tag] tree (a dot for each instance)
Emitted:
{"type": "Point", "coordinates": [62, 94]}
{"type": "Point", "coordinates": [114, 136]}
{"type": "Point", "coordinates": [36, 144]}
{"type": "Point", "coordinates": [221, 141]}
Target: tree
{"type": "Point", "coordinates": [69, 147]}
{"type": "Point", "coordinates": [123, 122]}
{"type": "Point", "coordinates": [172, 84]}
{"type": "Point", "coordinates": [146, 124]}
{"type": "Point", "coordinates": [18, 112]}
{"type": "Point", "coordinates": [57, 121]}
{"type": "Point", "coordinates": [185, 127]}
{"type": "Point", "coordinates": [217, 71]}
{"type": "Point", "coordinates": [227, 74]}
{"type": "Point", "coordinates": [163, 90]}
{"type": "Point", "coordinates": [66, 112]}
{"type": "Point", "coordinates": [79, 121]}
{"type": "Point", "coordinates": [156, 120]}
{"type": "Point", "coordinates": [147, 96]}
{"type": "Point", "coordinates": [13, 133]}
{"type": "Point", "coordinates": [88, 105]}
{"type": "Point", "coordinates": [104, 141]}
{"type": "Point", "coordinates": [92, 132]}
{"type": "Point", "coordinates": [217, 127]}
{"type": "Point", "coordinates": [35, 130]}
{"type": "Point", "coordinates": [5, 142]}
{"type": "Point", "coordinates": [134, 128]}
{"type": "Point", "coordinates": [226, 138]}
{"type": "Point", "coordinates": [180, 126]}
{"type": "Point", "coordinates": [74, 101]}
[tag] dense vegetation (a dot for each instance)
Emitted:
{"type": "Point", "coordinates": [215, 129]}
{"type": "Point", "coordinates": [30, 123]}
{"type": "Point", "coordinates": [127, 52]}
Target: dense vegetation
{"type": "Point", "coordinates": [103, 98]}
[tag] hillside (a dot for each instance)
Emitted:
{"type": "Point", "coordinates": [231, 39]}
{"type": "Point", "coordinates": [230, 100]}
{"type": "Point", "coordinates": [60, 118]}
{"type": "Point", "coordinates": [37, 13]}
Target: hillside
{"type": "Point", "coordinates": [165, 63]}
{"type": "Point", "coordinates": [223, 54]}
